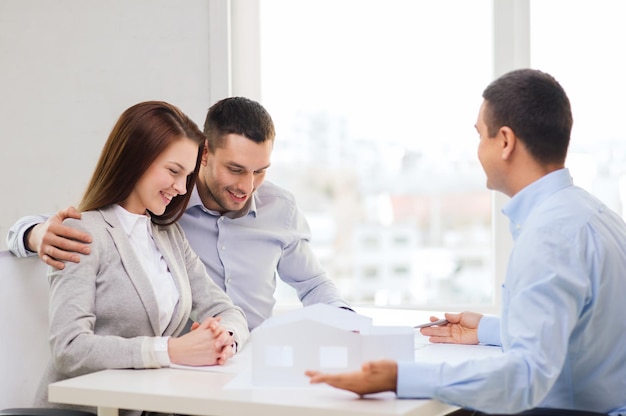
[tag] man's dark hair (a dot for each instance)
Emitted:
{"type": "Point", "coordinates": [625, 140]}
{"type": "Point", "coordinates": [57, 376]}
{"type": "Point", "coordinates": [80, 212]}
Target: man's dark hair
{"type": "Point", "coordinates": [534, 105]}
{"type": "Point", "coordinates": [238, 115]}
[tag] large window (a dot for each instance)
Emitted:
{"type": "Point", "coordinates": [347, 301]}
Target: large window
{"type": "Point", "coordinates": [375, 104]}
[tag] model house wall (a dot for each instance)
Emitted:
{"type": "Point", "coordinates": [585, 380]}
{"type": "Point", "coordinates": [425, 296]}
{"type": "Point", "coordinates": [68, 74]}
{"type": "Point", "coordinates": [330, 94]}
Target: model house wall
{"type": "Point", "coordinates": [322, 337]}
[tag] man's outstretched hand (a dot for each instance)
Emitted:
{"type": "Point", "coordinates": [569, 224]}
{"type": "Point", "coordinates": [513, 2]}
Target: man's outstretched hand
{"type": "Point", "coordinates": [374, 377]}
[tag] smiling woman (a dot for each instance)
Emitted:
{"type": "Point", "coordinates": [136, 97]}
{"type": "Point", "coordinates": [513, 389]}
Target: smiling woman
{"type": "Point", "coordinates": [165, 179]}
{"type": "Point", "coordinates": [135, 148]}
{"type": "Point", "coordinates": [126, 304]}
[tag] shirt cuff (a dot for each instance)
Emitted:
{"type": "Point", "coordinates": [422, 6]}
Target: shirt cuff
{"type": "Point", "coordinates": [489, 330]}
{"type": "Point", "coordinates": [16, 243]}
{"type": "Point", "coordinates": [15, 236]}
{"type": "Point", "coordinates": [161, 351]}
{"type": "Point", "coordinates": [416, 380]}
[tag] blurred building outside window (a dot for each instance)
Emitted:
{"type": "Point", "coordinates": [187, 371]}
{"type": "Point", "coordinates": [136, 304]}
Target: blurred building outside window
{"type": "Point", "coordinates": [375, 103]}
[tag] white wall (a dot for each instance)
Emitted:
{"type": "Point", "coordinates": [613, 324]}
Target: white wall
{"type": "Point", "coordinates": [69, 68]}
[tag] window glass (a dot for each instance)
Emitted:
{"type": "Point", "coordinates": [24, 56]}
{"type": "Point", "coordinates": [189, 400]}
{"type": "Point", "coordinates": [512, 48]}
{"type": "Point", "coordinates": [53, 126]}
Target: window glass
{"type": "Point", "coordinates": [581, 44]}
{"type": "Point", "coordinates": [374, 104]}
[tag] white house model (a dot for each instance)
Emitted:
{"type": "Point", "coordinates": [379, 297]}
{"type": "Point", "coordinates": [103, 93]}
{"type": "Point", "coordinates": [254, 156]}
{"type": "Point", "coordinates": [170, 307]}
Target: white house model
{"type": "Point", "coordinates": [322, 337]}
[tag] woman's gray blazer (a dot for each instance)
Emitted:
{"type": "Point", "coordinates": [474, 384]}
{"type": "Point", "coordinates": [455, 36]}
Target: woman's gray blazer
{"type": "Point", "coordinates": [103, 312]}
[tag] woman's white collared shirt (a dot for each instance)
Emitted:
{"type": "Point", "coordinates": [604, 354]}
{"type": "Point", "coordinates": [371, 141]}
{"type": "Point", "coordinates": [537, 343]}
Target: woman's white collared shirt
{"type": "Point", "coordinates": [139, 231]}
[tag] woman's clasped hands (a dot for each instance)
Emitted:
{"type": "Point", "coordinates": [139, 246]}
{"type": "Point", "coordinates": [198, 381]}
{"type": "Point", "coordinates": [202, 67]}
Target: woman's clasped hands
{"type": "Point", "coordinates": [208, 343]}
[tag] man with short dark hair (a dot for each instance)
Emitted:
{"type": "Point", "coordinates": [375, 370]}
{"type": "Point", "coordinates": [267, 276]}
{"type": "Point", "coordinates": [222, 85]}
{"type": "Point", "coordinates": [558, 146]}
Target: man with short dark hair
{"type": "Point", "coordinates": [562, 327]}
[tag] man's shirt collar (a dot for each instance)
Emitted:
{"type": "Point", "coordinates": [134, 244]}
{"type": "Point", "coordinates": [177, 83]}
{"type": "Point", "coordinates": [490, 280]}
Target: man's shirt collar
{"type": "Point", "coordinates": [520, 206]}
{"type": "Point", "coordinates": [250, 208]}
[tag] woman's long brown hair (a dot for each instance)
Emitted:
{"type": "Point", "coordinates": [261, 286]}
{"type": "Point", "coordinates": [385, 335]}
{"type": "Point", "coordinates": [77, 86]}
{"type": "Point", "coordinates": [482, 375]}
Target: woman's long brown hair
{"type": "Point", "coordinates": [142, 132]}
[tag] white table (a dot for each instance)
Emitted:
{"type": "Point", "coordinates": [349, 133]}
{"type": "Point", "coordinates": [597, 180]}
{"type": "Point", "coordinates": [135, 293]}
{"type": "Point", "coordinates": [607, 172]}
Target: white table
{"type": "Point", "coordinates": [205, 393]}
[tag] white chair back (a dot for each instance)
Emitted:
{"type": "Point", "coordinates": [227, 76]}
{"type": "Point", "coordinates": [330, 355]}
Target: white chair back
{"type": "Point", "coordinates": [24, 350]}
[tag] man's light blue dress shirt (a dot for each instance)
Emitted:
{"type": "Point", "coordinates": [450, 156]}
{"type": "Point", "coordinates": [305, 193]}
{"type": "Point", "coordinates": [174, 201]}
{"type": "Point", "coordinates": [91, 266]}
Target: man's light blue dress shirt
{"type": "Point", "coordinates": [563, 325]}
{"type": "Point", "coordinates": [244, 255]}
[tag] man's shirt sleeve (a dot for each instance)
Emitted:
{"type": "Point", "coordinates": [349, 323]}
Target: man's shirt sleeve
{"type": "Point", "coordinates": [489, 330]}
{"type": "Point", "coordinates": [15, 236]}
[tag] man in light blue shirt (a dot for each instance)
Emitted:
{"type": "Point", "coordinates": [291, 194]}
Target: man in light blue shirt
{"type": "Point", "coordinates": [562, 327]}
{"type": "Point", "coordinates": [245, 230]}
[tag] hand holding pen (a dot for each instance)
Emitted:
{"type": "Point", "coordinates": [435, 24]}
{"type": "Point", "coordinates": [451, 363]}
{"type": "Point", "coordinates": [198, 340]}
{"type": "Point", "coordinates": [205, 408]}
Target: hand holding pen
{"type": "Point", "coordinates": [456, 328]}
{"type": "Point", "coordinates": [435, 322]}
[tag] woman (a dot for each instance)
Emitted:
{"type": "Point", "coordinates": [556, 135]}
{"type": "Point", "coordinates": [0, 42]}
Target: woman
{"type": "Point", "coordinates": [124, 304]}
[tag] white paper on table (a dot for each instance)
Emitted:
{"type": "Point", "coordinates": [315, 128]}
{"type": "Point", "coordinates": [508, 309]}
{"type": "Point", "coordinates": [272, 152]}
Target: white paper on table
{"type": "Point", "coordinates": [241, 362]}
